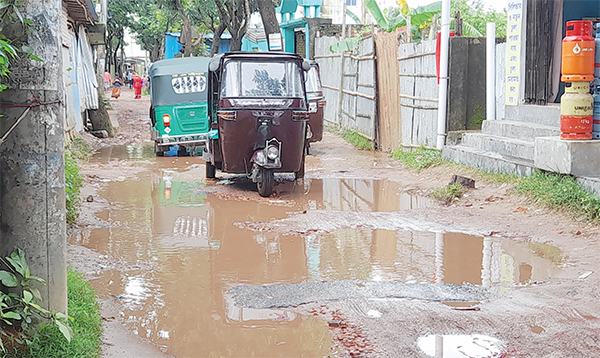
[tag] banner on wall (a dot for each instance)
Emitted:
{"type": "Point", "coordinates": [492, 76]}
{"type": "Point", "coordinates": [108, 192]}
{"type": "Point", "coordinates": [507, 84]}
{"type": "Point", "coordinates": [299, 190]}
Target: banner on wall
{"type": "Point", "coordinates": [513, 51]}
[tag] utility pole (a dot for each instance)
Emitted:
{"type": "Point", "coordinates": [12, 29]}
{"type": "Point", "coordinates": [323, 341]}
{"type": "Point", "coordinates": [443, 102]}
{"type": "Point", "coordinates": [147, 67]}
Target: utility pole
{"type": "Point", "coordinates": [32, 161]}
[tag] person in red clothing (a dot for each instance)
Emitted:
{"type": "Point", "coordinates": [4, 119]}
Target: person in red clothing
{"type": "Point", "coordinates": [137, 85]}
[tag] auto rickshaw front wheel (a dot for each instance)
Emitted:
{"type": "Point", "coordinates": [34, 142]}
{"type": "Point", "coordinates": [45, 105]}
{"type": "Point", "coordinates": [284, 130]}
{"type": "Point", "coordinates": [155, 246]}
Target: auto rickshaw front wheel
{"type": "Point", "coordinates": [266, 182]}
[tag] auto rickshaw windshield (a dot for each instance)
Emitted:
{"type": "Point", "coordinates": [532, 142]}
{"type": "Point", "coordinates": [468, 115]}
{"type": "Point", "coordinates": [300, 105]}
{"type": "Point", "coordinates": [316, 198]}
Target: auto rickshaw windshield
{"type": "Point", "coordinates": [261, 79]}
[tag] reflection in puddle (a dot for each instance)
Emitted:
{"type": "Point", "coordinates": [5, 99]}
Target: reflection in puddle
{"type": "Point", "coordinates": [119, 152]}
{"type": "Point", "coordinates": [405, 256]}
{"type": "Point", "coordinates": [460, 346]}
{"type": "Point", "coordinates": [356, 195]}
{"type": "Point", "coordinates": [192, 253]}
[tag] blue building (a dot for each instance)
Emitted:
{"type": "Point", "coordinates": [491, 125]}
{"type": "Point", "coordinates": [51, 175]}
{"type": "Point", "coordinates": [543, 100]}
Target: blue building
{"type": "Point", "coordinates": [224, 45]}
{"type": "Point", "coordinates": [310, 20]}
{"type": "Point", "coordinates": [255, 40]}
{"type": "Point", "coordinates": [172, 45]}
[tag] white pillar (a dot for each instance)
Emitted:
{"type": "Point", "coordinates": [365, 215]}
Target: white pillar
{"type": "Point", "coordinates": [443, 89]}
{"type": "Point", "coordinates": [490, 88]}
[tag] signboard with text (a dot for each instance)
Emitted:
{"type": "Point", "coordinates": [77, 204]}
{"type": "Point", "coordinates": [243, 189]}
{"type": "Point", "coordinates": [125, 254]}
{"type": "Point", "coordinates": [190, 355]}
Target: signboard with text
{"type": "Point", "coordinates": [513, 51]}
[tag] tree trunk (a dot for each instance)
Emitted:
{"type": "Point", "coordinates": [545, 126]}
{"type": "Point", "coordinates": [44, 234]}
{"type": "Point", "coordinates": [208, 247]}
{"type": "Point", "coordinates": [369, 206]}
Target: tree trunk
{"type": "Point", "coordinates": [269, 19]}
{"type": "Point", "coordinates": [217, 39]}
{"type": "Point", "coordinates": [186, 30]}
{"type": "Point", "coordinates": [236, 42]}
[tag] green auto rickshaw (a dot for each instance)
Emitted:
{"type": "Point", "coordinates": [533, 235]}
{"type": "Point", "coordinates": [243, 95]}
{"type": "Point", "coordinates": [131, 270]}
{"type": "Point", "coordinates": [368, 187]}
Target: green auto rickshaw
{"type": "Point", "coordinates": [179, 108]}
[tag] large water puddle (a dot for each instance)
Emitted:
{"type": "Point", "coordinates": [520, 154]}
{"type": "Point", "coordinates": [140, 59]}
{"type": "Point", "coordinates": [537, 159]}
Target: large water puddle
{"type": "Point", "coordinates": [190, 254]}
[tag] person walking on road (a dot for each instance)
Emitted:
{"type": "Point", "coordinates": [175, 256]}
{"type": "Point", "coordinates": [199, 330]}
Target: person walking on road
{"type": "Point", "coordinates": [116, 91]}
{"type": "Point", "coordinates": [137, 85]}
{"type": "Point", "coordinates": [107, 81]}
{"type": "Point", "coordinates": [129, 76]}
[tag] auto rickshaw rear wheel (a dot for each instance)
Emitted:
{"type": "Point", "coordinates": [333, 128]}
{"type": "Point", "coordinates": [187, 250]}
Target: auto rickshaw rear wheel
{"type": "Point", "coordinates": [266, 182]}
{"type": "Point", "coordinates": [211, 170]}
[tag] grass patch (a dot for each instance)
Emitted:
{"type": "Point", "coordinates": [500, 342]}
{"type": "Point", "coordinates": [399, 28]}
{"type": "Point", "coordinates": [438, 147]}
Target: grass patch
{"type": "Point", "coordinates": [80, 151]}
{"type": "Point", "coordinates": [86, 323]}
{"type": "Point", "coordinates": [418, 158]}
{"type": "Point", "coordinates": [353, 137]}
{"type": "Point", "coordinates": [560, 192]}
{"type": "Point", "coordinates": [499, 178]}
{"type": "Point", "coordinates": [448, 194]}
{"type": "Point", "coordinates": [73, 182]}
{"type": "Point", "coordinates": [357, 140]}
{"type": "Point", "coordinates": [74, 153]}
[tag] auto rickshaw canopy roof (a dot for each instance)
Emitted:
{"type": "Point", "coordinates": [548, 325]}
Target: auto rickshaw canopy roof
{"type": "Point", "coordinates": [275, 56]}
{"type": "Point", "coordinates": [178, 81]}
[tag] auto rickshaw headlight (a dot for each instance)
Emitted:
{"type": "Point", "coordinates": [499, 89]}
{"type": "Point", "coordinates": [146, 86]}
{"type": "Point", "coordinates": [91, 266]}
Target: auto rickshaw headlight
{"type": "Point", "coordinates": [272, 152]}
{"type": "Point", "coordinates": [167, 120]}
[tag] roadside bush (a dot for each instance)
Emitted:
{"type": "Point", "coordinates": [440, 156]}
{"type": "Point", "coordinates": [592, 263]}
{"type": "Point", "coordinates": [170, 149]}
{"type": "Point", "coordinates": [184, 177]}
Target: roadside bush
{"type": "Point", "coordinates": [85, 322]}
{"type": "Point", "coordinates": [20, 312]}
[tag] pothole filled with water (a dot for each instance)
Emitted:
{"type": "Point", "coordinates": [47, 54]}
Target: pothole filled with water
{"type": "Point", "coordinates": [190, 255]}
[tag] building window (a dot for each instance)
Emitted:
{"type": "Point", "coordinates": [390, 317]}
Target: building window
{"type": "Point", "coordinates": [351, 2]}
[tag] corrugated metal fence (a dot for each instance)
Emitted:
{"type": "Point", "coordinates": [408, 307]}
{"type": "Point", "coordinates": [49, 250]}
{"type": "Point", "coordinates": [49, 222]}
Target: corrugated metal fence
{"type": "Point", "coordinates": [418, 93]}
{"type": "Point", "coordinates": [415, 122]}
{"type": "Point", "coordinates": [357, 77]}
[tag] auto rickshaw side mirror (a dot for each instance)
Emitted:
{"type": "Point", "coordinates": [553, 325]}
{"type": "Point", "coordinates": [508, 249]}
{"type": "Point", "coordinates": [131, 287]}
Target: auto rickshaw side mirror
{"type": "Point", "coordinates": [305, 65]}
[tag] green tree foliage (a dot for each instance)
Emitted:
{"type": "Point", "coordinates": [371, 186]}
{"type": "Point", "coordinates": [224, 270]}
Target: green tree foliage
{"type": "Point", "coordinates": [475, 14]}
{"type": "Point", "coordinates": [149, 22]}
{"type": "Point", "coordinates": [11, 16]}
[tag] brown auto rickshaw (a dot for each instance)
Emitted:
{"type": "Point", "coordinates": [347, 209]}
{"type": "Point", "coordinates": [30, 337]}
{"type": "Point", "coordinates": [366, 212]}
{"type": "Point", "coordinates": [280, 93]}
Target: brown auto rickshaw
{"type": "Point", "coordinates": [316, 102]}
{"type": "Point", "coordinates": [259, 114]}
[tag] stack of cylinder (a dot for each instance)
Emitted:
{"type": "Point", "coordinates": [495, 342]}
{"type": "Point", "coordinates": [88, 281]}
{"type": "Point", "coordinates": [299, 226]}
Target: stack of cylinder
{"type": "Point", "coordinates": [596, 87]}
{"type": "Point", "coordinates": [577, 104]}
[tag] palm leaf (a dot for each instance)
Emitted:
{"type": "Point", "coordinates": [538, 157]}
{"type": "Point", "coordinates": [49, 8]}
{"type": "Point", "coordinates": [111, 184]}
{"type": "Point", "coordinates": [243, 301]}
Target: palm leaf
{"type": "Point", "coordinates": [353, 17]}
{"type": "Point", "coordinates": [433, 7]}
{"type": "Point", "coordinates": [345, 45]}
{"type": "Point", "coordinates": [377, 15]}
{"type": "Point", "coordinates": [470, 30]}
{"type": "Point", "coordinates": [397, 21]}
{"type": "Point", "coordinates": [421, 18]}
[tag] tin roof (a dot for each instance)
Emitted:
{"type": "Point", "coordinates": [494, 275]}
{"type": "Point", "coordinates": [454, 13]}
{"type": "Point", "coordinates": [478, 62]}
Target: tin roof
{"type": "Point", "coordinates": [81, 10]}
{"type": "Point", "coordinates": [256, 34]}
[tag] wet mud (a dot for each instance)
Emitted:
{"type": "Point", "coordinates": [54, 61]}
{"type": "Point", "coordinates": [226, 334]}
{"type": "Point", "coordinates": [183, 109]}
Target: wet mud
{"type": "Point", "coordinates": [193, 262]}
{"type": "Point", "coordinates": [169, 250]}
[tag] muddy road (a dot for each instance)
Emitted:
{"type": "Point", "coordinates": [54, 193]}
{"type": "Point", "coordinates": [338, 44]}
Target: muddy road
{"type": "Point", "coordinates": [356, 260]}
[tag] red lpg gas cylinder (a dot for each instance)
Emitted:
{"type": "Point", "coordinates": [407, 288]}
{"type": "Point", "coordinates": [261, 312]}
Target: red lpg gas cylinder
{"type": "Point", "coordinates": [578, 52]}
{"type": "Point", "coordinates": [576, 112]}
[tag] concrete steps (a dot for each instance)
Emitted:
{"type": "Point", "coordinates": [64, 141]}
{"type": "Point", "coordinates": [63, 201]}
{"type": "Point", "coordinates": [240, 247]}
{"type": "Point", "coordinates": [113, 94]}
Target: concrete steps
{"type": "Point", "coordinates": [487, 160]}
{"type": "Point", "coordinates": [502, 145]}
{"type": "Point", "coordinates": [548, 115]}
{"type": "Point", "coordinates": [518, 130]}
{"type": "Point", "coordinates": [507, 145]}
